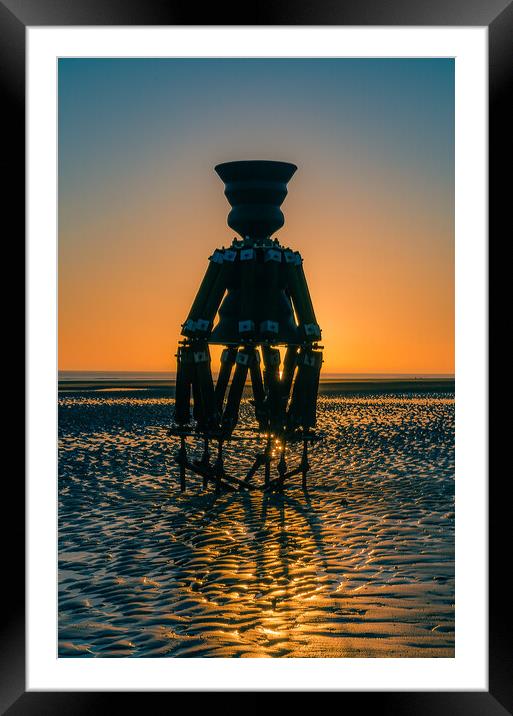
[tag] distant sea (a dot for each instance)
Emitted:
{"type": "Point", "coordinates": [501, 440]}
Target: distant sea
{"type": "Point", "coordinates": [121, 376]}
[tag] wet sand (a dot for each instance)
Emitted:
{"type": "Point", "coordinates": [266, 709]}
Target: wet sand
{"type": "Point", "coordinates": [361, 566]}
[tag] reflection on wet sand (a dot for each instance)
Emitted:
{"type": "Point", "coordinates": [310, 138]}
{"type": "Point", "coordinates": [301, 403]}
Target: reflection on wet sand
{"type": "Point", "coordinates": [361, 566]}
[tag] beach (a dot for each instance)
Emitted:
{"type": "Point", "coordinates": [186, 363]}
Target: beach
{"type": "Point", "coordinates": [360, 566]}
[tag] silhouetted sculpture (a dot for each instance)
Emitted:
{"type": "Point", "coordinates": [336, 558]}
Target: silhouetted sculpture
{"type": "Point", "coordinates": [257, 289]}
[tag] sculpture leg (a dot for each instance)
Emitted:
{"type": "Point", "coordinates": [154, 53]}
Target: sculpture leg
{"type": "Point", "coordinates": [231, 411]}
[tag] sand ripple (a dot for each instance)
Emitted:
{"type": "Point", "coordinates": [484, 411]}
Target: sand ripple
{"type": "Point", "coordinates": [363, 566]}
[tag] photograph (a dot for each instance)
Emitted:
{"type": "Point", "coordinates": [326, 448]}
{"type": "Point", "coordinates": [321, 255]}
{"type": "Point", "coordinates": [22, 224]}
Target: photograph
{"type": "Point", "coordinates": [257, 251]}
{"type": "Point", "coordinates": [256, 357]}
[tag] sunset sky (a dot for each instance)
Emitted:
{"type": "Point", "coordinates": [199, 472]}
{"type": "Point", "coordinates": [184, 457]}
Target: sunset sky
{"type": "Point", "coordinates": [371, 207]}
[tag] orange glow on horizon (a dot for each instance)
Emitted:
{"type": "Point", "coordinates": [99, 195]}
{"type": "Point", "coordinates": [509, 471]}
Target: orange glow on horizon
{"type": "Point", "coordinates": [384, 302]}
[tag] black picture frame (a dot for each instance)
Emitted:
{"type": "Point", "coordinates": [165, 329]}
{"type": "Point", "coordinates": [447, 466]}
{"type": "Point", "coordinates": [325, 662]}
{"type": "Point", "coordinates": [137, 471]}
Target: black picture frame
{"type": "Point", "coordinates": [15, 17]}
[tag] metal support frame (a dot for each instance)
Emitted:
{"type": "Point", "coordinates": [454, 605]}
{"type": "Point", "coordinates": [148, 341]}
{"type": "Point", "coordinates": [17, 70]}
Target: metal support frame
{"type": "Point", "coordinates": [215, 473]}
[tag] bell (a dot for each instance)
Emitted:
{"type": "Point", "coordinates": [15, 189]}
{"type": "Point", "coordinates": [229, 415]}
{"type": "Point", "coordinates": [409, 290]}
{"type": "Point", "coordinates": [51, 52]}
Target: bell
{"type": "Point", "coordinates": [255, 190]}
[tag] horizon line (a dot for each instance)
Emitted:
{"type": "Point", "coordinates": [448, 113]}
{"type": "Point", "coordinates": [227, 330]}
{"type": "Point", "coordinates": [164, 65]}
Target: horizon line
{"type": "Point", "coordinates": [342, 373]}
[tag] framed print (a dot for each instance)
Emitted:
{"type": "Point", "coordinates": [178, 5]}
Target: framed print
{"type": "Point", "coordinates": [257, 454]}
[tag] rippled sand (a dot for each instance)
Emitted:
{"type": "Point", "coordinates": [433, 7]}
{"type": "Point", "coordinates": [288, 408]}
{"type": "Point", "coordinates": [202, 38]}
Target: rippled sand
{"type": "Point", "coordinates": [362, 566]}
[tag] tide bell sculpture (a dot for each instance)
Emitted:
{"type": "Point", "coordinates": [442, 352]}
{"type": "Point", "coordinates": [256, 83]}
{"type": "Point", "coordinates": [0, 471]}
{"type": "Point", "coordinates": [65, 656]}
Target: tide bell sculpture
{"type": "Point", "coordinates": [254, 301]}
